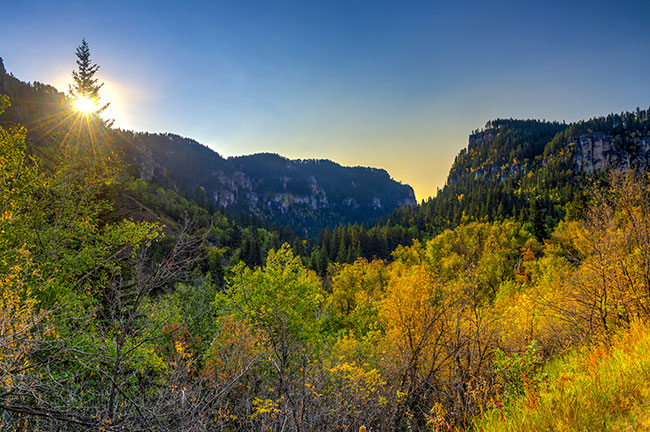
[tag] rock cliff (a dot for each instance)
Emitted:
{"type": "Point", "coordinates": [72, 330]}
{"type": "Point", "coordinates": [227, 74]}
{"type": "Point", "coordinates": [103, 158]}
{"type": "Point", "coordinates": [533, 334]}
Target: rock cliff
{"type": "Point", "coordinates": [598, 152]}
{"type": "Point", "coordinates": [306, 194]}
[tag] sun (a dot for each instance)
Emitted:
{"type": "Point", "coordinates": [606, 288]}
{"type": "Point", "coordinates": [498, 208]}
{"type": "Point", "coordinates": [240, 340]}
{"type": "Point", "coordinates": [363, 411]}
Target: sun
{"type": "Point", "coordinates": [85, 105]}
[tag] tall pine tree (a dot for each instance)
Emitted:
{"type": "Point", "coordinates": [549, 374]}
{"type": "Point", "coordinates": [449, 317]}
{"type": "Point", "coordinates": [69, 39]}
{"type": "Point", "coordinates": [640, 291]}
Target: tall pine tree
{"type": "Point", "coordinates": [84, 91]}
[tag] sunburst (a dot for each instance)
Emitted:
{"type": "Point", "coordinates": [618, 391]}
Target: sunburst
{"type": "Point", "coordinates": [85, 105]}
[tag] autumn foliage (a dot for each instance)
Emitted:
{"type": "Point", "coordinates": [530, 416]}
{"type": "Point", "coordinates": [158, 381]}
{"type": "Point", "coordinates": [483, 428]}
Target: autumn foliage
{"type": "Point", "coordinates": [490, 325]}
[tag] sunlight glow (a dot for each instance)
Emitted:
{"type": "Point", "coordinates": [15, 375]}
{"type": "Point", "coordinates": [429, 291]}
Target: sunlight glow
{"type": "Point", "coordinates": [85, 105]}
{"type": "Point", "coordinates": [120, 95]}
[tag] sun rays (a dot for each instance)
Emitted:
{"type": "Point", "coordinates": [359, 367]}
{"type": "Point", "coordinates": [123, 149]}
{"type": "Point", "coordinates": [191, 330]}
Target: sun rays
{"type": "Point", "coordinates": [85, 105]}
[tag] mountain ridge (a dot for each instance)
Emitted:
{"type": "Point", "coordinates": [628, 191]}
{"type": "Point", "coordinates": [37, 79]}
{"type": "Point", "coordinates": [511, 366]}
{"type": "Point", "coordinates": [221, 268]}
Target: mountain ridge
{"type": "Point", "coordinates": [291, 195]}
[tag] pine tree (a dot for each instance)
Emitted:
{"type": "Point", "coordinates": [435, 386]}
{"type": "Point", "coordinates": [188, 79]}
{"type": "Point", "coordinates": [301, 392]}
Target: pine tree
{"type": "Point", "coordinates": [313, 262]}
{"type": "Point", "coordinates": [85, 87]}
{"type": "Point", "coordinates": [323, 261]}
{"type": "Point", "coordinates": [537, 221]}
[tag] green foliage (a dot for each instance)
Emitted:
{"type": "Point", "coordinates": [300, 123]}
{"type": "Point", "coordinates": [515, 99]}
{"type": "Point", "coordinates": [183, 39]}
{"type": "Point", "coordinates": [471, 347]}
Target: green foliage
{"type": "Point", "coordinates": [345, 244]}
{"type": "Point", "coordinates": [188, 307]}
{"type": "Point", "coordinates": [488, 251]}
{"type": "Point", "coordinates": [283, 298]}
{"type": "Point", "coordinates": [537, 221]}
{"type": "Point", "coordinates": [356, 293]}
{"type": "Point", "coordinates": [58, 225]}
{"type": "Point", "coordinates": [516, 373]}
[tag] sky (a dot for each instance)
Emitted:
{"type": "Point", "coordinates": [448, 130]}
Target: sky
{"type": "Point", "coordinates": [392, 84]}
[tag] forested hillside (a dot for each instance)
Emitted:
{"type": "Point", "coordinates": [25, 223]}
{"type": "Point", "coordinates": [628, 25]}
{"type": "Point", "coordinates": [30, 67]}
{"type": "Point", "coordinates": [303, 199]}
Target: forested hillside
{"type": "Point", "coordinates": [518, 298]}
{"type": "Point", "coordinates": [530, 169]}
{"type": "Point", "coordinates": [307, 195]}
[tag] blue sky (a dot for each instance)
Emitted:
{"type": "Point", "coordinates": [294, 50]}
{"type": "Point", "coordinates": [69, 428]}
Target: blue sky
{"type": "Point", "coordinates": [397, 85]}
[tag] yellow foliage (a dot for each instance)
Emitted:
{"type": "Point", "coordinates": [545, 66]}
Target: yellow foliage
{"type": "Point", "coordinates": [413, 315]}
{"type": "Point", "coordinates": [602, 387]}
{"type": "Point", "coordinates": [359, 382]}
{"type": "Point", "coordinates": [234, 351]}
{"type": "Point", "coordinates": [266, 406]}
{"type": "Point", "coordinates": [19, 314]}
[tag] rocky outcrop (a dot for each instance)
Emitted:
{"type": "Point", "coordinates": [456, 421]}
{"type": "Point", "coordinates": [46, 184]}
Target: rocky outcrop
{"type": "Point", "coordinates": [479, 138]}
{"type": "Point", "coordinates": [147, 166]}
{"type": "Point", "coordinates": [314, 193]}
{"type": "Point", "coordinates": [351, 202]}
{"type": "Point", "coordinates": [409, 201]}
{"type": "Point", "coordinates": [318, 197]}
{"type": "Point", "coordinates": [224, 198]}
{"type": "Point", "coordinates": [598, 152]}
{"type": "Point", "coordinates": [589, 153]}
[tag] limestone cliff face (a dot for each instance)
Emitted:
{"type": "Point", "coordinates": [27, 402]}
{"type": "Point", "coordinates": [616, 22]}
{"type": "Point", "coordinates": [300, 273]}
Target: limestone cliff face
{"type": "Point", "coordinates": [598, 152]}
{"type": "Point", "coordinates": [232, 187]}
{"type": "Point", "coordinates": [147, 166]}
{"type": "Point", "coordinates": [408, 201]}
{"type": "Point", "coordinates": [237, 189]}
{"type": "Point", "coordinates": [311, 193]}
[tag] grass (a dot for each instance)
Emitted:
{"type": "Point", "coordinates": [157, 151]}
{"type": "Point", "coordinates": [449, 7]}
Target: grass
{"type": "Point", "coordinates": [605, 387]}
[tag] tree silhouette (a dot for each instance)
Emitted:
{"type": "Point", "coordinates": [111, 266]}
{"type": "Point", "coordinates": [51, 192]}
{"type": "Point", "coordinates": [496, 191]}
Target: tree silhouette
{"type": "Point", "coordinates": [85, 86]}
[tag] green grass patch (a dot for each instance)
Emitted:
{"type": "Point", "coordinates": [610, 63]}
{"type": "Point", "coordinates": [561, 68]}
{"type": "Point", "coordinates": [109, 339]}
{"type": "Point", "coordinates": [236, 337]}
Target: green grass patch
{"type": "Point", "coordinates": [604, 387]}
